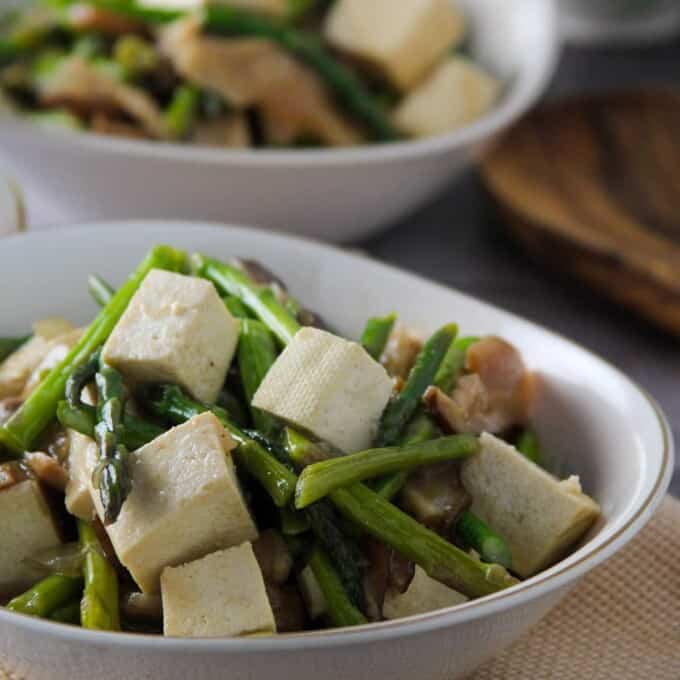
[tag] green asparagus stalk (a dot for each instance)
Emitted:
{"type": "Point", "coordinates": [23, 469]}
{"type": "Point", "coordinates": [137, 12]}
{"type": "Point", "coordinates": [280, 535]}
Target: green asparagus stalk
{"type": "Point", "coordinates": [262, 301]}
{"type": "Point", "coordinates": [474, 533]}
{"type": "Point", "coordinates": [301, 451]}
{"type": "Point", "coordinates": [170, 403]}
{"type": "Point", "coordinates": [529, 446]}
{"type": "Point", "coordinates": [453, 364]}
{"type": "Point", "coordinates": [180, 115]}
{"type": "Point", "coordinates": [256, 354]}
{"type": "Point", "coordinates": [19, 433]}
{"type": "Point", "coordinates": [80, 378]}
{"type": "Point", "coordinates": [439, 558]}
{"type": "Point", "coordinates": [349, 90]}
{"type": "Point", "coordinates": [135, 11]}
{"type": "Point", "coordinates": [135, 433]}
{"type": "Point", "coordinates": [111, 476]}
{"type": "Point", "coordinates": [47, 596]}
{"type": "Point", "coordinates": [10, 345]}
{"type": "Point", "coordinates": [136, 56]}
{"type": "Point", "coordinates": [319, 479]}
{"type": "Point", "coordinates": [376, 334]}
{"type": "Point", "coordinates": [100, 290]}
{"type": "Point", "coordinates": [401, 409]}
{"type": "Point", "coordinates": [69, 613]}
{"type": "Point", "coordinates": [99, 608]}
{"type": "Point", "coordinates": [339, 608]}
{"type": "Point", "coordinates": [237, 308]}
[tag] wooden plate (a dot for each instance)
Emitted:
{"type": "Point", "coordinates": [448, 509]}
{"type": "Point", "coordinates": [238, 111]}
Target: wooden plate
{"type": "Point", "coordinates": [591, 185]}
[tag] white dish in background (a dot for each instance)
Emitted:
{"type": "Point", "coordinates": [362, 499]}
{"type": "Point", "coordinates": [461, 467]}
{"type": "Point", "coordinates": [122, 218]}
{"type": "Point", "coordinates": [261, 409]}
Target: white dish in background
{"type": "Point", "coordinates": [336, 195]}
{"type": "Point", "coordinates": [592, 419]}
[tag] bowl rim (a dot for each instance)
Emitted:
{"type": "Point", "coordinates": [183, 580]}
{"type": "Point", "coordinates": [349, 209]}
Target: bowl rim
{"type": "Point", "coordinates": [529, 85]}
{"type": "Point", "coordinates": [557, 576]}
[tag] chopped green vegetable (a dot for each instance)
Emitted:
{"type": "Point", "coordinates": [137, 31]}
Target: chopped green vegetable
{"type": "Point", "coordinates": [319, 479]}
{"type": "Point", "coordinates": [47, 596]}
{"type": "Point", "coordinates": [100, 290]}
{"type": "Point", "coordinates": [474, 533]}
{"type": "Point", "coordinates": [376, 333]}
{"type": "Point", "coordinates": [180, 115]}
{"type": "Point", "coordinates": [529, 446]}
{"type": "Point", "coordinates": [136, 56]}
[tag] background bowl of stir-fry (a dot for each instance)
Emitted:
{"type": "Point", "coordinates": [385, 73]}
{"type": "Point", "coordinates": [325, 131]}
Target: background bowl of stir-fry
{"type": "Point", "coordinates": [394, 539]}
{"type": "Point", "coordinates": [347, 114]}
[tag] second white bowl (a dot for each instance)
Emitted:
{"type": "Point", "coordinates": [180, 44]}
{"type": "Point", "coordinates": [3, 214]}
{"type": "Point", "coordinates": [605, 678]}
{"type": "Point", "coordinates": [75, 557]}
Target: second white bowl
{"type": "Point", "coordinates": [336, 195]}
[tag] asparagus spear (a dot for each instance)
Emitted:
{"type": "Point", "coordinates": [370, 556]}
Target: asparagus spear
{"type": "Point", "coordinates": [529, 446]}
{"type": "Point", "coordinates": [439, 558]}
{"type": "Point", "coordinates": [256, 354]}
{"type": "Point", "coordinates": [111, 477]}
{"type": "Point", "coordinates": [69, 613]}
{"type": "Point", "coordinates": [262, 301]}
{"type": "Point", "coordinates": [19, 433]}
{"type": "Point", "coordinates": [400, 410]}
{"type": "Point", "coordinates": [376, 333]}
{"type": "Point", "coordinates": [453, 364]}
{"type": "Point", "coordinates": [301, 451]}
{"type": "Point", "coordinates": [99, 609]}
{"type": "Point", "coordinates": [180, 115]}
{"type": "Point", "coordinates": [319, 479]}
{"type": "Point", "coordinates": [474, 533]}
{"type": "Point", "coordinates": [47, 596]}
{"type": "Point", "coordinates": [81, 377]}
{"type": "Point", "coordinates": [237, 308]}
{"type": "Point", "coordinates": [10, 345]}
{"type": "Point", "coordinates": [349, 90]}
{"type": "Point", "coordinates": [135, 433]}
{"type": "Point", "coordinates": [339, 609]}
{"type": "Point", "coordinates": [170, 403]}
{"type": "Point", "coordinates": [100, 291]}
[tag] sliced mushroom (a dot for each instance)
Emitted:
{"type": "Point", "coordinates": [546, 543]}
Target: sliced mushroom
{"type": "Point", "coordinates": [254, 72]}
{"type": "Point", "coordinates": [435, 496]}
{"type": "Point", "coordinates": [403, 347]}
{"type": "Point", "coordinates": [47, 469]}
{"type": "Point", "coordinates": [105, 124]}
{"type": "Point", "coordinates": [12, 473]}
{"type": "Point", "coordinates": [273, 557]}
{"type": "Point", "coordinates": [88, 89]}
{"type": "Point", "coordinates": [287, 606]}
{"type": "Point", "coordinates": [495, 395]}
{"type": "Point", "coordinates": [229, 131]}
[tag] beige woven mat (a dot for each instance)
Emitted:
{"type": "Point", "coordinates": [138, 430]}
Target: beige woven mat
{"type": "Point", "coordinates": [621, 623]}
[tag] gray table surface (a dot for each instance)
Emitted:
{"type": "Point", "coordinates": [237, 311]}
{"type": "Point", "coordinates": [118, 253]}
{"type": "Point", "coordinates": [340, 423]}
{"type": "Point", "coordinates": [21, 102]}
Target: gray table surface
{"type": "Point", "coordinates": [459, 241]}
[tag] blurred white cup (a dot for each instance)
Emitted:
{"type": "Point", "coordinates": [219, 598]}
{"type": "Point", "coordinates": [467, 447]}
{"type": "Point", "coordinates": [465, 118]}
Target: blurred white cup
{"type": "Point", "coordinates": [620, 21]}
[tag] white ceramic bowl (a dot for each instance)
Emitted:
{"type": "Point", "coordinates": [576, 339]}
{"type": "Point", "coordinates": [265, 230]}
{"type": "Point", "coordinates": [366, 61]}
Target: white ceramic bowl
{"type": "Point", "coordinates": [337, 195]}
{"type": "Point", "coordinates": [593, 420]}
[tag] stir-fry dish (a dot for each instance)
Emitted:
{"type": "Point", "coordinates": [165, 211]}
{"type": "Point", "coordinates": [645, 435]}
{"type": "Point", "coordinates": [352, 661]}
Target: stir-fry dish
{"type": "Point", "coordinates": [245, 73]}
{"type": "Point", "coordinates": [207, 459]}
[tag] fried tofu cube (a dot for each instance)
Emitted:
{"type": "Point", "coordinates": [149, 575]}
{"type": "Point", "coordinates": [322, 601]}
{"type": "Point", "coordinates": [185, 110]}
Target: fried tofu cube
{"type": "Point", "coordinates": [405, 39]}
{"type": "Point", "coordinates": [175, 329]}
{"type": "Point", "coordinates": [82, 460]}
{"type": "Point", "coordinates": [185, 502]}
{"type": "Point", "coordinates": [220, 595]}
{"type": "Point", "coordinates": [26, 526]}
{"type": "Point", "coordinates": [423, 595]}
{"type": "Point", "coordinates": [456, 94]}
{"type": "Point", "coordinates": [539, 516]}
{"type": "Point", "coordinates": [327, 386]}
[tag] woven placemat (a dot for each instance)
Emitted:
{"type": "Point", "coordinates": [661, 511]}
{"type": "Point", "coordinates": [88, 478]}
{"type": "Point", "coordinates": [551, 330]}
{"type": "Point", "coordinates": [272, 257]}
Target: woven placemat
{"type": "Point", "coordinates": [621, 623]}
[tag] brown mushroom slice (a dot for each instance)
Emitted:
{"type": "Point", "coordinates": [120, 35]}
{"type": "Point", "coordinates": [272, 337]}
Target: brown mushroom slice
{"type": "Point", "coordinates": [495, 395]}
{"type": "Point", "coordinates": [273, 556]}
{"type": "Point", "coordinates": [287, 606]}
{"type": "Point", "coordinates": [83, 87]}
{"type": "Point", "coordinates": [106, 124]}
{"type": "Point", "coordinates": [47, 469]}
{"type": "Point", "coordinates": [401, 351]}
{"type": "Point", "coordinates": [435, 496]}
{"type": "Point", "coordinates": [255, 72]}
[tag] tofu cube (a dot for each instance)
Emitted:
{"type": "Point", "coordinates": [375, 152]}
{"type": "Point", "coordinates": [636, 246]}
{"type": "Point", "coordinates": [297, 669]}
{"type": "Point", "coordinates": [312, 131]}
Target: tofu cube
{"type": "Point", "coordinates": [539, 516]}
{"type": "Point", "coordinates": [82, 460]}
{"type": "Point", "coordinates": [458, 93]}
{"type": "Point", "coordinates": [327, 386]}
{"type": "Point", "coordinates": [175, 329]}
{"type": "Point", "coordinates": [404, 39]}
{"type": "Point", "coordinates": [26, 526]}
{"type": "Point", "coordinates": [423, 595]}
{"type": "Point", "coordinates": [220, 595]}
{"type": "Point", "coordinates": [185, 502]}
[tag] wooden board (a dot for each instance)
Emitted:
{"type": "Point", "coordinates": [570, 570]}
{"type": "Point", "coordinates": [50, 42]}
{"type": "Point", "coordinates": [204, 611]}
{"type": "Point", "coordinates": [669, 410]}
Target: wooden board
{"type": "Point", "coordinates": [591, 185]}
